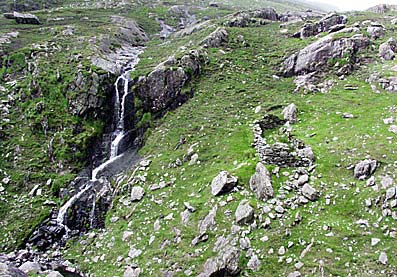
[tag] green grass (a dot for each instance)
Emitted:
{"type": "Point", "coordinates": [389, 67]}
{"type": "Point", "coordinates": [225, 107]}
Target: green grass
{"type": "Point", "coordinates": [219, 118]}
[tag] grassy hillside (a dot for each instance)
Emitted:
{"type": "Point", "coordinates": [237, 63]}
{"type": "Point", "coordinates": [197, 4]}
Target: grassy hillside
{"type": "Point", "coordinates": [218, 120]}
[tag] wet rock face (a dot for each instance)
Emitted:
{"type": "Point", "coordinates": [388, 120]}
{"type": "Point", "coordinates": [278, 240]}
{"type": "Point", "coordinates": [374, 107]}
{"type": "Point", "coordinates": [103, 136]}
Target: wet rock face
{"type": "Point", "coordinates": [161, 89]}
{"type": "Point", "coordinates": [315, 56]}
{"type": "Point", "coordinates": [88, 211]}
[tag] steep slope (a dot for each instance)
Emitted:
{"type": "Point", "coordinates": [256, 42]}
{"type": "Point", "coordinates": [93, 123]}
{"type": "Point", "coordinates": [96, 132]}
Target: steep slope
{"type": "Point", "coordinates": [301, 124]}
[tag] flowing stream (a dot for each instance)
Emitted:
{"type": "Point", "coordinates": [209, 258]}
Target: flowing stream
{"type": "Point", "coordinates": [117, 135]}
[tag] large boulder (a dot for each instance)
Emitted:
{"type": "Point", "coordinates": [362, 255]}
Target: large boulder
{"type": "Point", "coordinates": [26, 18]}
{"type": "Point", "coordinates": [387, 50]}
{"type": "Point", "coordinates": [261, 183]}
{"type": "Point", "coordinates": [365, 169]}
{"type": "Point", "coordinates": [316, 55]}
{"type": "Point", "coordinates": [222, 183]}
{"type": "Point", "coordinates": [9, 271]}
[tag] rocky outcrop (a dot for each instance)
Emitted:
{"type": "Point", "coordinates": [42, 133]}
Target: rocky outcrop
{"type": "Point", "coordinates": [261, 183]}
{"type": "Point", "coordinates": [326, 24]}
{"type": "Point", "coordinates": [128, 35]}
{"type": "Point", "coordinates": [26, 18]}
{"type": "Point", "coordinates": [222, 183]}
{"type": "Point", "coordinates": [267, 13]}
{"type": "Point", "coordinates": [256, 18]}
{"type": "Point", "coordinates": [129, 31]}
{"type": "Point", "coordinates": [316, 56]}
{"type": "Point", "coordinates": [161, 89]}
{"type": "Point", "coordinates": [90, 93]}
{"type": "Point", "coordinates": [216, 38]}
{"type": "Point", "coordinates": [383, 8]}
{"type": "Point", "coordinates": [387, 50]}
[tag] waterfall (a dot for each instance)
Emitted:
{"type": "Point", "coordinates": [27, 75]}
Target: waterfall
{"type": "Point", "coordinates": [63, 210]}
{"type": "Point", "coordinates": [117, 136]}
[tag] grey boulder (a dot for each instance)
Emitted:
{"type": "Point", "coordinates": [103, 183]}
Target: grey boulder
{"type": "Point", "coordinates": [9, 271]}
{"type": "Point", "coordinates": [387, 50]}
{"type": "Point", "coordinates": [261, 183]}
{"type": "Point", "coordinates": [244, 213]}
{"type": "Point", "coordinates": [365, 169]}
{"type": "Point", "coordinates": [222, 183]}
{"type": "Point", "coordinates": [290, 113]}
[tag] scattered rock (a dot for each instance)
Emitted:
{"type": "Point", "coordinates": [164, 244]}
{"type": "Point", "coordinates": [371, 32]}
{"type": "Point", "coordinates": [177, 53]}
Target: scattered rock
{"type": "Point", "coordinates": [223, 183]}
{"type": "Point", "coordinates": [365, 169]}
{"type": "Point", "coordinates": [137, 193]}
{"type": "Point", "coordinates": [376, 30]}
{"type": "Point", "coordinates": [9, 271]}
{"type": "Point", "coordinates": [387, 50]}
{"type": "Point", "coordinates": [132, 272]}
{"type": "Point", "coordinates": [374, 241]}
{"type": "Point", "coordinates": [134, 253]}
{"type": "Point", "coordinates": [254, 263]}
{"type": "Point", "coordinates": [290, 113]}
{"type": "Point", "coordinates": [244, 213]}
{"type": "Point", "coordinates": [226, 262]}
{"type": "Point", "coordinates": [208, 222]}
{"type": "Point", "coordinates": [261, 183]}
{"type": "Point", "coordinates": [383, 258]}
{"type": "Point", "coordinates": [309, 192]}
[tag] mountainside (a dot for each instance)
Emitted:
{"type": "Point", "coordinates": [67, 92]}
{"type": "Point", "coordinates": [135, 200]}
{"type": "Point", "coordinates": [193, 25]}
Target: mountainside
{"type": "Point", "coordinates": [197, 138]}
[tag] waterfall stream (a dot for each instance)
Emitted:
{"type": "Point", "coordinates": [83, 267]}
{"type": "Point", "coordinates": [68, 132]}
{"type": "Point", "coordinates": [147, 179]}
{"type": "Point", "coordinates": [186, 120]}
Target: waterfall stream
{"type": "Point", "coordinates": [117, 136]}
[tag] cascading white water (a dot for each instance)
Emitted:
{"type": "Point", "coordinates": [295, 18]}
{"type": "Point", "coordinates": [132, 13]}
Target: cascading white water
{"type": "Point", "coordinates": [63, 210]}
{"type": "Point", "coordinates": [117, 136]}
